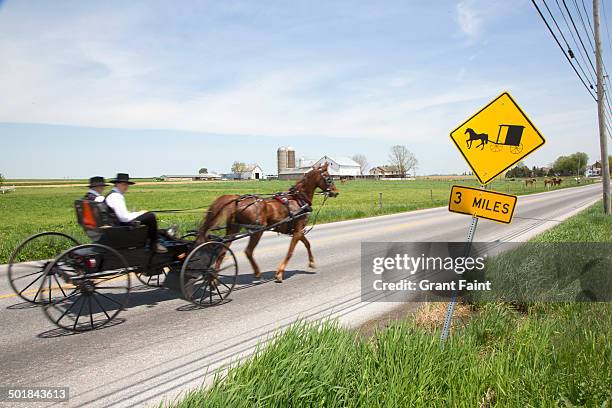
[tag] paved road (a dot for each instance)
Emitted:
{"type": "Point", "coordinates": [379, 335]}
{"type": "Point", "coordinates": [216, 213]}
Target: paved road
{"type": "Point", "coordinates": [163, 348]}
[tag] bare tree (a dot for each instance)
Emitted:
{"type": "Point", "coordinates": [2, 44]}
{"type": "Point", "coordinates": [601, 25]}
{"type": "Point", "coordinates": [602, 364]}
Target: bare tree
{"type": "Point", "coordinates": [362, 161]}
{"type": "Point", "coordinates": [403, 159]}
{"type": "Point", "coordinates": [238, 167]}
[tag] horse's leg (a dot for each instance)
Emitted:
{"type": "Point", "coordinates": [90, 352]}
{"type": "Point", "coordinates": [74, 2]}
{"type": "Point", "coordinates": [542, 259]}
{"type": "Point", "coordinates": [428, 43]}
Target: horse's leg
{"type": "Point", "coordinates": [469, 143]}
{"type": "Point", "coordinates": [281, 269]}
{"type": "Point", "coordinates": [253, 241]}
{"type": "Point", "coordinates": [311, 261]}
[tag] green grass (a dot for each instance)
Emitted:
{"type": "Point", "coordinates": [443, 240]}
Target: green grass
{"type": "Point", "coordinates": [550, 355]}
{"type": "Point", "coordinates": [31, 210]}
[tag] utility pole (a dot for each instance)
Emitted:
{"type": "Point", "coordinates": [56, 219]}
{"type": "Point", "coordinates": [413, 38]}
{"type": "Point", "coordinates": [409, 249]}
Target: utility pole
{"type": "Point", "coordinates": [603, 141]}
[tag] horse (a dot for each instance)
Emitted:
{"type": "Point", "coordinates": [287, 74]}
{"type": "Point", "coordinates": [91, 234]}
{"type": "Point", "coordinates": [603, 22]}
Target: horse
{"type": "Point", "coordinates": [548, 182]}
{"type": "Point", "coordinates": [483, 137]}
{"type": "Point", "coordinates": [250, 210]}
{"type": "Point", "coordinates": [530, 182]}
{"type": "Point", "coordinates": [557, 181]}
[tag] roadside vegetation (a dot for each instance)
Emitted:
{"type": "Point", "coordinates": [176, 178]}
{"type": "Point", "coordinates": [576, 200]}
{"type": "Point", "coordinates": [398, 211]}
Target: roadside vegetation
{"type": "Point", "coordinates": [31, 210]}
{"type": "Point", "coordinates": [539, 355]}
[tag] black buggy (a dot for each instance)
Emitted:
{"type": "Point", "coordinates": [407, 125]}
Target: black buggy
{"type": "Point", "coordinates": [85, 286]}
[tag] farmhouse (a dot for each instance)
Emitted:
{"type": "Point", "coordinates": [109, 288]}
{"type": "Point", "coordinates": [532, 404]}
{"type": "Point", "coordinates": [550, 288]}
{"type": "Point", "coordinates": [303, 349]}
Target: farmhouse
{"type": "Point", "coordinates": [385, 171]}
{"type": "Point", "coordinates": [194, 177]}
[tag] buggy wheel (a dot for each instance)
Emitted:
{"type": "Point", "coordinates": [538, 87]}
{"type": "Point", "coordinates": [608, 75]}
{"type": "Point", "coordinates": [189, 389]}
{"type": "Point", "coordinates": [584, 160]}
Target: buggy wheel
{"type": "Point", "coordinates": [209, 274]}
{"type": "Point", "coordinates": [101, 279]}
{"type": "Point", "coordinates": [495, 148]}
{"type": "Point", "coordinates": [516, 149]}
{"type": "Point", "coordinates": [26, 273]}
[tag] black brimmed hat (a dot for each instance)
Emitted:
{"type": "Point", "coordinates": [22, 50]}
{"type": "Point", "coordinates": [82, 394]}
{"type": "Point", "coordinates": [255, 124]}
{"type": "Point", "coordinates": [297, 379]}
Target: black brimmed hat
{"type": "Point", "coordinates": [122, 178]}
{"type": "Point", "coordinates": [97, 181]}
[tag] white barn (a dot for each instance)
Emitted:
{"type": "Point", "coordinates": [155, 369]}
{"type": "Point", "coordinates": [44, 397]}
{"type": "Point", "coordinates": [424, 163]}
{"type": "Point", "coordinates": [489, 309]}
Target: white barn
{"type": "Point", "coordinates": [339, 167]}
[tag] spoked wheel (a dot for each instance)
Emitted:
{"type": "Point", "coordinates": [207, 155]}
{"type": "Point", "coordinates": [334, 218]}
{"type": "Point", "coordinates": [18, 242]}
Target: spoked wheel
{"type": "Point", "coordinates": [516, 149]}
{"type": "Point", "coordinates": [209, 274]}
{"type": "Point", "coordinates": [101, 279]}
{"type": "Point", "coordinates": [495, 147]}
{"type": "Point", "coordinates": [26, 273]}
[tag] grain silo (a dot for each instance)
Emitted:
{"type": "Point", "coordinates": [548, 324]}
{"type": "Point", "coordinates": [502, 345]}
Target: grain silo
{"type": "Point", "coordinates": [281, 159]}
{"type": "Point", "coordinates": [290, 158]}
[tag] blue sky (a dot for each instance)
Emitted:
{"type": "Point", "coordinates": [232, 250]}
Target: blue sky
{"type": "Point", "coordinates": [169, 87]}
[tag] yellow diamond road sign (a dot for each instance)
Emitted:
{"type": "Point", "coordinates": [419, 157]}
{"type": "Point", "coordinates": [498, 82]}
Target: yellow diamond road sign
{"type": "Point", "coordinates": [496, 137]}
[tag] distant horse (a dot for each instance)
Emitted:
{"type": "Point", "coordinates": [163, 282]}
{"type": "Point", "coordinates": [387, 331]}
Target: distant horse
{"type": "Point", "coordinates": [549, 182]}
{"type": "Point", "coordinates": [530, 182]}
{"type": "Point", "coordinates": [557, 181]}
{"type": "Point", "coordinates": [238, 211]}
{"type": "Point", "coordinates": [483, 137]}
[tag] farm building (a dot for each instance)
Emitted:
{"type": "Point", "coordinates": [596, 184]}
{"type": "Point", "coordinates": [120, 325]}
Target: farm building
{"type": "Point", "coordinates": [385, 171]}
{"type": "Point", "coordinates": [339, 167]}
{"type": "Point", "coordinates": [194, 177]}
{"type": "Point", "coordinates": [251, 172]}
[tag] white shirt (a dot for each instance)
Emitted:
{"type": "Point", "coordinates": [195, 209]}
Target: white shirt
{"type": "Point", "coordinates": [116, 201]}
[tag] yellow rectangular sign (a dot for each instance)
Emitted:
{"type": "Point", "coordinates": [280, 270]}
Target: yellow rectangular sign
{"type": "Point", "coordinates": [490, 205]}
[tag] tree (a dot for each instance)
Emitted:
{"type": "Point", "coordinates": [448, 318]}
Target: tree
{"type": "Point", "coordinates": [203, 170]}
{"type": "Point", "coordinates": [403, 159]}
{"type": "Point", "coordinates": [238, 167]}
{"type": "Point", "coordinates": [1, 179]}
{"type": "Point", "coordinates": [571, 165]}
{"type": "Point", "coordinates": [362, 161]}
{"type": "Point", "coordinates": [519, 170]}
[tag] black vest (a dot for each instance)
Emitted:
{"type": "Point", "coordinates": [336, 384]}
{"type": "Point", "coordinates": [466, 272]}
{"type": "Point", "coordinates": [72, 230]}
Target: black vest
{"type": "Point", "coordinates": [90, 196]}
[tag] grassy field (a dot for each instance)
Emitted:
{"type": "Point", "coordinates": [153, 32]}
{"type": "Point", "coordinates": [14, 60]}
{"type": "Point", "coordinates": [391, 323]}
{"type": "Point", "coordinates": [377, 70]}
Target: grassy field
{"type": "Point", "coordinates": [547, 355]}
{"type": "Point", "coordinates": [31, 210]}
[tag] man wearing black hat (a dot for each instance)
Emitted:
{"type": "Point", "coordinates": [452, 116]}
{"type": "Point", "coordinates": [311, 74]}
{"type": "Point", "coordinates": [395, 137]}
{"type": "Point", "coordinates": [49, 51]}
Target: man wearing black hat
{"type": "Point", "coordinates": [115, 200]}
{"type": "Point", "coordinates": [96, 187]}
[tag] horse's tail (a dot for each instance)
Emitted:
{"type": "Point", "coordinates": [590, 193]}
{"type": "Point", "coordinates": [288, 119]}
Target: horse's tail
{"type": "Point", "coordinates": [223, 208]}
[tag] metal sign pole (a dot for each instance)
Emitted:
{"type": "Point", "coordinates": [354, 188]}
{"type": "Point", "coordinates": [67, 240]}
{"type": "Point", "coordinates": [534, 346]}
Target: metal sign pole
{"type": "Point", "coordinates": [453, 302]}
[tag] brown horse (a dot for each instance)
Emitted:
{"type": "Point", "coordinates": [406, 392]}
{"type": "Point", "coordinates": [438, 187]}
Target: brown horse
{"type": "Point", "coordinates": [256, 212]}
{"type": "Point", "coordinates": [530, 182]}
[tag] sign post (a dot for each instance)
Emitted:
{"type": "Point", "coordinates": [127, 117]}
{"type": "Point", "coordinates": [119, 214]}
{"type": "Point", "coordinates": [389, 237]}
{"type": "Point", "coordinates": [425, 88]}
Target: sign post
{"type": "Point", "coordinates": [491, 141]}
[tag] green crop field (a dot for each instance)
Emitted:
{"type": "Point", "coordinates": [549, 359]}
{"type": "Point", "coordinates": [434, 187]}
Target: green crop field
{"type": "Point", "coordinates": [31, 210]}
{"type": "Point", "coordinates": [538, 355]}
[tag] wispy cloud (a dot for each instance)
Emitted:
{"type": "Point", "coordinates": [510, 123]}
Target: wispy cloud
{"type": "Point", "coordinates": [468, 18]}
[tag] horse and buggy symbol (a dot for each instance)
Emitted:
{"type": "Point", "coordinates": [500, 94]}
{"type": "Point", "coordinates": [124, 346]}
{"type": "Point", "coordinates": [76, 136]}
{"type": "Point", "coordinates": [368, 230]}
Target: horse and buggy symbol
{"type": "Point", "coordinates": [507, 135]}
{"type": "Point", "coordinates": [82, 287]}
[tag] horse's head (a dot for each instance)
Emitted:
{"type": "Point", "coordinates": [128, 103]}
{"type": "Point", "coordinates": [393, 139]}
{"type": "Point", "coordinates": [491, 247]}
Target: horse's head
{"type": "Point", "coordinates": [324, 180]}
{"type": "Point", "coordinates": [468, 130]}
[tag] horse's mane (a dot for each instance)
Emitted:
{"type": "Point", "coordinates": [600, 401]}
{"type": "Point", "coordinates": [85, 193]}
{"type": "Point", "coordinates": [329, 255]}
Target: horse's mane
{"type": "Point", "coordinates": [299, 185]}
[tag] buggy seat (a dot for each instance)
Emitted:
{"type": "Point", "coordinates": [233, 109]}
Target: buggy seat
{"type": "Point", "coordinates": [99, 225]}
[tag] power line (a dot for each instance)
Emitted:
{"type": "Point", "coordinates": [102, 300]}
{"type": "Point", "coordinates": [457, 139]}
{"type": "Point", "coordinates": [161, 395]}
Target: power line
{"type": "Point", "coordinates": [579, 37]}
{"type": "Point", "coordinates": [584, 25]}
{"type": "Point", "coordinates": [561, 47]}
{"type": "Point", "coordinates": [591, 75]}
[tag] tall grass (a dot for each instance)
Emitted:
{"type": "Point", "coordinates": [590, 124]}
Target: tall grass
{"type": "Point", "coordinates": [548, 355]}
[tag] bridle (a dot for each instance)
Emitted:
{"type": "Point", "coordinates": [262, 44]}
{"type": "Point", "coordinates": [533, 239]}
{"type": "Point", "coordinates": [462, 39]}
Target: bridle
{"type": "Point", "coordinates": [329, 183]}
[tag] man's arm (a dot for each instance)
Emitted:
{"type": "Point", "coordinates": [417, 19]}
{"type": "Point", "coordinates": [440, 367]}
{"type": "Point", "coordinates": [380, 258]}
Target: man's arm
{"type": "Point", "coordinates": [116, 201]}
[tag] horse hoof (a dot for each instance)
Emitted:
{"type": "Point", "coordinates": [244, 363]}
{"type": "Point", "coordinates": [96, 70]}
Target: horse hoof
{"type": "Point", "coordinates": [312, 265]}
{"type": "Point", "coordinates": [279, 278]}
